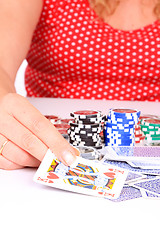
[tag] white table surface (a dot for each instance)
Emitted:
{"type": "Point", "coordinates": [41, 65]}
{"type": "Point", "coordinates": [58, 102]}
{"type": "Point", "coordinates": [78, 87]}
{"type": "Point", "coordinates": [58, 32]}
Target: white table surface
{"type": "Point", "coordinates": [32, 211]}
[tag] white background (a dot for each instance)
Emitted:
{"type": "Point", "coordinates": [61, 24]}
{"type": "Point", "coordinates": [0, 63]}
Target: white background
{"type": "Point", "coordinates": [19, 83]}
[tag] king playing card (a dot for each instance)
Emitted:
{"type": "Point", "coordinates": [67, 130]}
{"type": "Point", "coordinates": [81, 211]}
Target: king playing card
{"type": "Point", "coordinates": [83, 176]}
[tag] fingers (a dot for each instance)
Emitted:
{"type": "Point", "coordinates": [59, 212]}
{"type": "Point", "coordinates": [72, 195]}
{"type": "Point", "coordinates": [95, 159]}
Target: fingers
{"type": "Point", "coordinates": [13, 157]}
{"type": "Point", "coordinates": [30, 131]}
{"type": "Point", "coordinates": [8, 165]}
{"type": "Point", "coordinates": [22, 137]}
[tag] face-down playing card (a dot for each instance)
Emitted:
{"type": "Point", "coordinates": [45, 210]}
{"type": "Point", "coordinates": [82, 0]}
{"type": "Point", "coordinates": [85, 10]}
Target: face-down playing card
{"type": "Point", "coordinates": [83, 176]}
{"type": "Point", "coordinates": [149, 185]}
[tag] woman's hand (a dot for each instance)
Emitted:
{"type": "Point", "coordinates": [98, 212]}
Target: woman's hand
{"type": "Point", "coordinates": [30, 134]}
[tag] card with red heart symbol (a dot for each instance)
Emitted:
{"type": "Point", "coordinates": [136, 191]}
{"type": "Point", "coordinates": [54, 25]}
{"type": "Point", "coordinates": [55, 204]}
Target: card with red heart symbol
{"type": "Point", "coordinates": [83, 176]}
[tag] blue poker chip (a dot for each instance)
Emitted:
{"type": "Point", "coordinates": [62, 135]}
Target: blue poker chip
{"type": "Point", "coordinates": [121, 121]}
{"type": "Point", "coordinates": [118, 125]}
{"type": "Point", "coordinates": [113, 138]}
{"type": "Point", "coordinates": [128, 113]}
{"type": "Point", "coordinates": [119, 145]}
{"type": "Point", "coordinates": [119, 141]}
{"type": "Point", "coordinates": [118, 131]}
{"type": "Point", "coordinates": [119, 136]}
{"type": "Point", "coordinates": [126, 117]}
{"type": "Point", "coordinates": [121, 131]}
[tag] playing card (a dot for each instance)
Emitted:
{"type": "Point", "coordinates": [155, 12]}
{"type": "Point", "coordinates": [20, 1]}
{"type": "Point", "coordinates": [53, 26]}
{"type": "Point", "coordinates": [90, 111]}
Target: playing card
{"type": "Point", "coordinates": [141, 154]}
{"type": "Point", "coordinates": [145, 165]}
{"type": "Point", "coordinates": [149, 185]}
{"type": "Point", "coordinates": [125, 165]}
{"type": "Point", "coordinates": [148, 195]}
{"type": "Point", "coordinates": [128, 193]}
{"type": "Point", "coordinates": [133, 177]}
{"type": "Point", "coordinates": [83, 176]}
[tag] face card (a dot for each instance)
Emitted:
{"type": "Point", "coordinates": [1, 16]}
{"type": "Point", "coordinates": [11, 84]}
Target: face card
{"type": "Point", "coordinates": [83, 176]}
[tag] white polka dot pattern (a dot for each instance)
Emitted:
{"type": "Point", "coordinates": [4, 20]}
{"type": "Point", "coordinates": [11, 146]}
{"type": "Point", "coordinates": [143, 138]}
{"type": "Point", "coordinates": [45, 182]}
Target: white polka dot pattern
{"type": "Point", "coordinates": [73, 55]}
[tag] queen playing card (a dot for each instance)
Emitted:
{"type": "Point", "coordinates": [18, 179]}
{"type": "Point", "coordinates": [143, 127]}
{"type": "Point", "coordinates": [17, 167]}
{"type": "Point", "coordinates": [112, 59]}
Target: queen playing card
{"type": "Point", "coordinates": [83, 176]}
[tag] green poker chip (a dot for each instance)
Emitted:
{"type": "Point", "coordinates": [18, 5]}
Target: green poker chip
{"type": "Point", "coordinates": [151, 122]}
{"type": "Point", "coordinates": [152, 135]}
{"type": "Point", "coordinates": [153, 139]}
{"type": "Point", "coordinates": [149, 128]}
{"type": "Point", "coordinates": [152, 132]}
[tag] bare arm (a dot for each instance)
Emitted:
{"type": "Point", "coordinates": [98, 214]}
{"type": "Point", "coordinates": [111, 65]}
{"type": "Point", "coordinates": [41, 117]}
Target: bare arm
{"type": "Point", "coordinates": [29, 133]}
{"type": "Point", "coordinates": [18, 20]}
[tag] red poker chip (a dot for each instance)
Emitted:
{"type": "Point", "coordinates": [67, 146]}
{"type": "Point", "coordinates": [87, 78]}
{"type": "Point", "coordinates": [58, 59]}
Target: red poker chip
{"type": "Point", "coordinates": [152, 121]}
{"type": "Point", "coordinates": [147, 116]}
{"type": "Point", "coordinates": [63, 131]}
{"type": "Point", "coordinates": [66, 120]}
{"type": "Point", "coordinates": [139, 135]}
{"type": "Point", "coordinates": [139, 141]}
{"type": "Point", "coordinates": [140, 138]}
{"type": "Point", "coordinates": [61, 125]}
{"type": "Point", "coordinates": [55, 121]}
{"type": "Point", "coordinates": [52, 117]}
{"type": "Point", "coordinates": [85, 114]}
{"type": "Point", "coordinates": [137, 128]}
{"type": "Point", "coordinates": [138, 132]}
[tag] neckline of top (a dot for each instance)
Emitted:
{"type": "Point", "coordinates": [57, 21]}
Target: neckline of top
{"type": "Point", "coordinates": [138, 30]}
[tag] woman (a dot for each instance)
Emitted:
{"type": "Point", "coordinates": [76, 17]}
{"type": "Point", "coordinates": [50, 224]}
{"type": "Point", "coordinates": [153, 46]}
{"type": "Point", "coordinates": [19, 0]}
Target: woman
{"type": "Point", "coordinates": [105, 49]}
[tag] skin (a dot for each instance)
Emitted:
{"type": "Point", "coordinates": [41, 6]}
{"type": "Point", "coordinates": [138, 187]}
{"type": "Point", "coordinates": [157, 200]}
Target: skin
{"type": "Point", "coordinates": [29, 133]}
{"type": "Point", "coordinates": [138, 12]}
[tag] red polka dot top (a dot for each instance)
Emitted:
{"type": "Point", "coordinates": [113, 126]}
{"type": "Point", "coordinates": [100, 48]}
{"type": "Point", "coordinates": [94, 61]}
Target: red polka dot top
{"type": "Point", "coordinates": [74, 55]}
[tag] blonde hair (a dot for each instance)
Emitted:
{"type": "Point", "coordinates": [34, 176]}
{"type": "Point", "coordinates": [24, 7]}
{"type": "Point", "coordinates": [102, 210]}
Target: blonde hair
{"type": "Point", "coordinates": [103, 7]}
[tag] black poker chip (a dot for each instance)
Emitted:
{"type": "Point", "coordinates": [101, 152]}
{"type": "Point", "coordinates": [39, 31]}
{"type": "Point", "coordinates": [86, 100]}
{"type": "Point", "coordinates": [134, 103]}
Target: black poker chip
{"type": "Point", "coordinates": [82, 138]}
{"type": "Point", "coordinates": [85, 131]}
{"type": "Point", "coordinates": [83, 114]}
{"type": "Point", "coordinates": [82, 133]}
{"type": "Point", "coordinates": [88, 121]}
{"type": "Point", "coordinates": [85, 139]}
{"type": "Point", "coordinates": [85, 126]}
{"type": "Point", "coordinates": [82, 143]}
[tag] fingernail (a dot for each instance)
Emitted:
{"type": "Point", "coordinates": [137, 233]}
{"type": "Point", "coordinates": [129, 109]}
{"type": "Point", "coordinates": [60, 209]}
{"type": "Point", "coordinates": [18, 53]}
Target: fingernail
{"type": "Point", "coordinates": [68, 158]}
{"type": "Point", "coordinates": [77, 152]}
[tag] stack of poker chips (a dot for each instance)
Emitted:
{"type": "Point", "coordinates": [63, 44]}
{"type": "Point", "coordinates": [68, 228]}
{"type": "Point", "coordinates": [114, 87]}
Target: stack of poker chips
{"type": "Point", "coordinates": [119, 127]}
{"type": "Point", "coordinates": [150, 125]}
{"type": "Point", "coordinates": [86, 128]}
{"type": "Point", "coordinates": [61, 124]}
{"type": "Point", "coordinates": [139, 135]}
